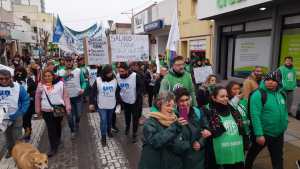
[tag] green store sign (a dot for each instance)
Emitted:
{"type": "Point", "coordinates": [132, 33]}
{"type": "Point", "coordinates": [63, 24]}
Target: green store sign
{"type": "Point", "coordinates": [225, 3]}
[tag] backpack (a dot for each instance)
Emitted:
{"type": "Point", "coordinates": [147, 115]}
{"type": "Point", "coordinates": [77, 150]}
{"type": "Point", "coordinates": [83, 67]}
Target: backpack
{"type": "Point", "coordinates": [264, 97]}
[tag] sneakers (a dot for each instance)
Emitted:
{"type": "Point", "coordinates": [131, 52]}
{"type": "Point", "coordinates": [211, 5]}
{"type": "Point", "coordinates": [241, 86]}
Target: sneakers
{"type": "Point", "coordinates": [115, 129]}
{"type": "Point", "coordinates": [103, 141]}
{"type": "Point", "coordinates": [298, 164]}
{"type": "Point", "coordinates": [73, 135]}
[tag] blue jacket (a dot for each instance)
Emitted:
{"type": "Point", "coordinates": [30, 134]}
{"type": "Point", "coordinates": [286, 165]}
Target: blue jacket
{"type": "Point", "coordinates": [23, 104]}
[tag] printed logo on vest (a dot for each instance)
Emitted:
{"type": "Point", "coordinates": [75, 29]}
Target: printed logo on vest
{"type": "Point", "coordinates": [4, 94]}
{"type": "Point", "coordinates": [290, 76]}
{"type": "Point", "coordinates": [124, 86]}
{"type": "Point", "coordinates": [177, 86]}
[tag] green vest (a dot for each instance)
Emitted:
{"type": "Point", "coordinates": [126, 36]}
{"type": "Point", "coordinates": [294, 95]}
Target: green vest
{"type": "Point", "coordinates": [177, 82]}
{"type": "Point", "coordinates": [229, 147]}
{"type": "Point", "coordinates": [289, 81]}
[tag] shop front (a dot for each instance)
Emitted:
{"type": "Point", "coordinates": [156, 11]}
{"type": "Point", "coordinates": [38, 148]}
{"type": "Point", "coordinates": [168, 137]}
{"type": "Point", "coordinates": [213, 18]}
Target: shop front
{"type": "Point", "coordinates": [252, 33]}
{"type": "Point", "coordinates": [158, 33]}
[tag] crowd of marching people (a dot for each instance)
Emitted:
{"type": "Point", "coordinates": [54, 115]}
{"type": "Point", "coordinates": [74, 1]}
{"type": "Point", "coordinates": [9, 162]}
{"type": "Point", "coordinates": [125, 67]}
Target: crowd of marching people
{"type": "Point", "coordinates": [189, 126]}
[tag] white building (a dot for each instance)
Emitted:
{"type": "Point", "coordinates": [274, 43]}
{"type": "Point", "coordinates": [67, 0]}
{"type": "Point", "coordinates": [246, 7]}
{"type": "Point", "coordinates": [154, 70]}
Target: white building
{"type": "Point", "coordinates": [155, 21]}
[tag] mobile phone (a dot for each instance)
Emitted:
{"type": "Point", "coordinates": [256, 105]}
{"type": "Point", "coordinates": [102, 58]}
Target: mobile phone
{"type": "Point", "coordinates": [184, 112]}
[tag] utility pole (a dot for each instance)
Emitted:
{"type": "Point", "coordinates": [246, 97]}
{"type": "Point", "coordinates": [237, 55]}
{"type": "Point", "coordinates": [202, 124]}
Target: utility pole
{"type": "Point", "coordinates": [132, 19]}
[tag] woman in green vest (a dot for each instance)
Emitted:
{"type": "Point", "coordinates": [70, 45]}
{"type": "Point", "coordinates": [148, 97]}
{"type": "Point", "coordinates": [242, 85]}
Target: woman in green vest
{"type": "Point", "coordinates": [195, 132]}
{"type": "Point", "coordinates": [163, 140]}
{"type": "Point", "coordinates": [226, 126]}
{"type": "Point", "coordinates": [240, 104]}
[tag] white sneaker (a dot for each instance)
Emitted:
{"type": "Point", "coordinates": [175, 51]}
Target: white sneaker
{"type": "Point", "coordinates": [298, 164]}
{"type": "Point", "coordinates": [73, 136]}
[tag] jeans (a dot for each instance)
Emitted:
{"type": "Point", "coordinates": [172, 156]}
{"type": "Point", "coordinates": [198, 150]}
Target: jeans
{"type": "Point", "coordinates": [76, 110]}
{"type": "Point", "coordinates": [54, 129]}
{"type": "Point", "coordinates": [14, 133]}
{"type": "Point", "coordinates": [105, 120]}
{"type": "Point", "coordinates": [275, 147]}
{"type": "Point", "coordinates": [131, 111]}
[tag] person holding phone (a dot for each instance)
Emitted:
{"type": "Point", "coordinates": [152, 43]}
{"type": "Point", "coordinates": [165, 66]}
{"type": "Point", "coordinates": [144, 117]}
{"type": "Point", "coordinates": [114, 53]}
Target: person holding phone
{"type": "Point", "coordinates": [195, 131]}
{"type": "Point", "coordinates": [163, 141]}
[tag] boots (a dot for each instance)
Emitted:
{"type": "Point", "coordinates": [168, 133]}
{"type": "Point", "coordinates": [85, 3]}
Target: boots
{"type": "Point", "coordinates": [103, 141]}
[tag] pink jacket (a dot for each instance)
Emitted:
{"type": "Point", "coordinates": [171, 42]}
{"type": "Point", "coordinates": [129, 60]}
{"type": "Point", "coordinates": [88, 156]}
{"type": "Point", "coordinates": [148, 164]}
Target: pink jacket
{"type": "Point", "coordinates": [38, 98]}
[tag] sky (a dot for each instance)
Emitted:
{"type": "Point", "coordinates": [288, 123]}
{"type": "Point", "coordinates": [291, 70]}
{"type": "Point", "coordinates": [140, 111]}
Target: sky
{"type": "Point", "coordinates": [80, 14]}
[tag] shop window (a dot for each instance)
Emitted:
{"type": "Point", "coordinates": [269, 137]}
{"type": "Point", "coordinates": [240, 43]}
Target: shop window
{"type": "Point", "coordinates": [250, 52]}
{"type": "Point", "coordinates": [290, 46]}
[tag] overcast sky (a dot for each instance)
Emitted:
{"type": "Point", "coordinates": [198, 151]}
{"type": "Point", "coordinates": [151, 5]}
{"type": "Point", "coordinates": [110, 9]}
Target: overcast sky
{"type": "Point", "coordinates": [80, 14]}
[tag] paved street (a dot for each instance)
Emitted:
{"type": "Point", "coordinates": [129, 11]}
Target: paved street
{"type": "Point", "coordinates": [86, 151]}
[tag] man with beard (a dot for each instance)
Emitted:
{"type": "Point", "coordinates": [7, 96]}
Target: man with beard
{"type": "Point", "coordinates": [75, 85]}
{"type": "Point", "coordinates": [131, 97]}
{"type": "Point", "coordinates": [252, 82]}
{"type": "Point", "coordinates": [178, 78]}
{"type": "Point", "coordinates": [288, 80]}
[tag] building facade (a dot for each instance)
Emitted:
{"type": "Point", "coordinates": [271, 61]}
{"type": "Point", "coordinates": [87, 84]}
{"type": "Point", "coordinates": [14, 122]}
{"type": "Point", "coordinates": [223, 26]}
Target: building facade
{"type": "Point", "coordinates": [121, 28]}
{"type": "Point", "coordinates": [253, 32]}
{"type": "Point", "coordinates": [155, 21]}
{"type": "Point", "coordinates": [196, 37]}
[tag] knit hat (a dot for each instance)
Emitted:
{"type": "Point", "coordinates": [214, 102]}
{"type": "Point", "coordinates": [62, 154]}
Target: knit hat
{"type": "Point", "coordinates": [272, 76]}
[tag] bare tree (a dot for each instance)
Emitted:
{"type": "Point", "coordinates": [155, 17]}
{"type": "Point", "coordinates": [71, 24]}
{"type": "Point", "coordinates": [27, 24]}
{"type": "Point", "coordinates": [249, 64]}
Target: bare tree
{"type": "Point", "coordinates": [44, 39]}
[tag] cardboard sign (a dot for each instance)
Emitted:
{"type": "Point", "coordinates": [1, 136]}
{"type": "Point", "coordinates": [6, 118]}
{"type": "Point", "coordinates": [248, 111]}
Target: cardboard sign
{"type": "Point", "coordinates": [126, 48]}
{"type": "Point", "coordinates": [201, 73]}
{"type": "Point", "coordinates": [97, 50]}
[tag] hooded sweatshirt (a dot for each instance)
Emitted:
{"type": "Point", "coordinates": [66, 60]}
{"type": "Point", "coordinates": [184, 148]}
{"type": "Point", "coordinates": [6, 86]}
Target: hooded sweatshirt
{"type": "Point", "coordinates": [272, 118]}
{"type": "Point", "coordinates": [173, 81]}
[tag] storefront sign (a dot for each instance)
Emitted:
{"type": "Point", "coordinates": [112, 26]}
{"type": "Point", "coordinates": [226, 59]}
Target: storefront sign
{"type": "Point", "coordinates": [291, 47]}
{"type": "Point", "coordinates": [139, 21]}
{"type": "Point", "coordinates": [250, 52]}
{"type": "Point", "coordinates": [198, 45]}
{"type": "Point", "coordinates": [210, 8]}
{"type": "Point", "coordinates": [154, 25]}
{"type": "Point", "coordinates": [126, 48]}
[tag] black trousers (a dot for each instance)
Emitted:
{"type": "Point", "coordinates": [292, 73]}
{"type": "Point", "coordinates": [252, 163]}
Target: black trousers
{"type": "Point", "coordinates": [275, 147]}
{"type": "Point", "coordinates": [131, 111]}
{"type": "Point", "coordinates": [150, 92]}
{"type": "Point", "coordinates": [28, 115]}
{"type": "Point", "coordinates": [54, 129]}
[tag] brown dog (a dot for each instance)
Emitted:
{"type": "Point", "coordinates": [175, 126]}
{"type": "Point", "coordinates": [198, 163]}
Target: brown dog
{"type": "Point", "coordinates": [28, 157]}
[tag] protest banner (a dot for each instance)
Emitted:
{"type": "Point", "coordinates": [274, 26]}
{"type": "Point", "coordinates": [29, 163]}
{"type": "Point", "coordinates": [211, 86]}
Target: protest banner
{"type": "Point", "coordinates": [201, 73]}
{"type": "Point", "coordinates": [97, 50]}
{"type": "Point", "coordinates": [126, 48]}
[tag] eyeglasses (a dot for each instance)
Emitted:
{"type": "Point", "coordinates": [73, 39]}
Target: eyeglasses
{"type": "Point", "coordinates": [184, 100]}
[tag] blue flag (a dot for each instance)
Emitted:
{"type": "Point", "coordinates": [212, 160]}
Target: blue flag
{"type": "Point", "coordinates": [58, 31]}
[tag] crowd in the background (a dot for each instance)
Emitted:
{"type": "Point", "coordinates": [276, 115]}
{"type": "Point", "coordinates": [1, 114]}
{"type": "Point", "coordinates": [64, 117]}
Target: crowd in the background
{"type": "Point", "coordinates": [209, 125]}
